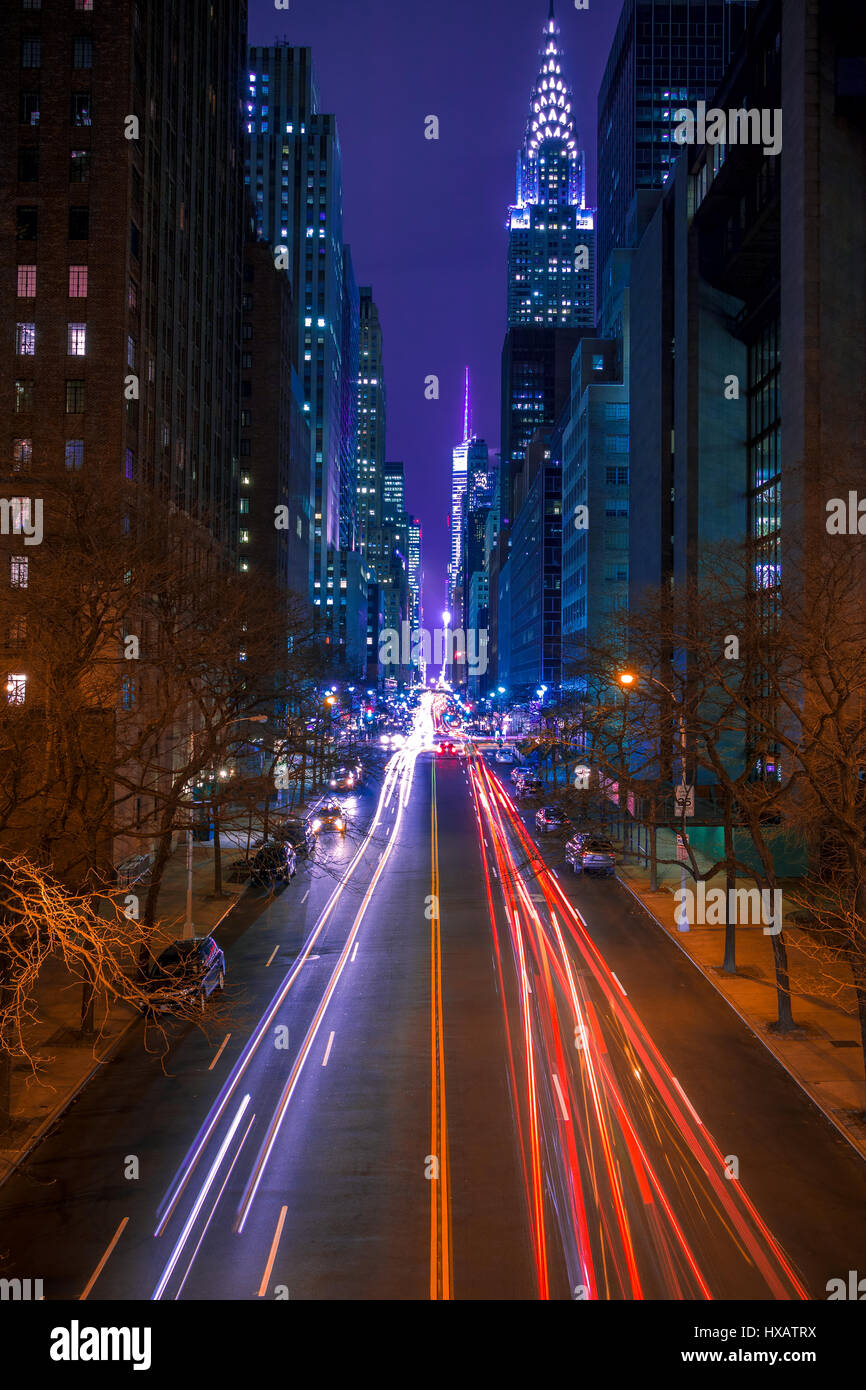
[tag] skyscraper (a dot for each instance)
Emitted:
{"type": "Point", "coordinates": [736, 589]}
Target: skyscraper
{"type": "Point", "coordinates": [665, 54]}
{"type": "Point", "coordinates": [551, 232]}
{"type": "Point", "coordinates": [293, 173]}
{"type": "Point", "coordinates": [371, 418]}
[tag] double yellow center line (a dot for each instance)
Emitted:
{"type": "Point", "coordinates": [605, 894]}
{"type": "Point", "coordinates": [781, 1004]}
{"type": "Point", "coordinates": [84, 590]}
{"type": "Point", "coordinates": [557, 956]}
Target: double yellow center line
{"type": "Point", "coordinates": [439, 1173]}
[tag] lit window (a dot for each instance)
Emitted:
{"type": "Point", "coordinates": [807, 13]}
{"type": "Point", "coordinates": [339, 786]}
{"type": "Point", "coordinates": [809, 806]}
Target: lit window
{"type": "Point", "coordinates": [22, 455]}
{"type": "Point", "coordinates": [25, 339]}
{"type": "Point", "coordinates": [26, 281]}
{"type": "Point", "coordinates": [84, 5]}
{"type": "Point", "coordinates": [23, 397]}
{"type": "Point", "coordinates": [76, 339]}
{"type": "Point", "coordinates": [74, 453]}
{"type": "Point", "coordinates": [16, 689]}
{"type": "Point", "coordinates": [79, 166]}
{"type": "Point", "coordinates": [19, 571]}
{"type": "Point", "coordinates": [78, 282]}
{"type": "Point", "coordinates": [245, 538]}
{"type": "Point", "coordinates": [245, 505]}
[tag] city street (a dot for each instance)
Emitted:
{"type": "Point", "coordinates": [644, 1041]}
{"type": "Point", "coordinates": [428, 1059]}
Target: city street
{"type": "Point", "coordinates": [531, 1093]}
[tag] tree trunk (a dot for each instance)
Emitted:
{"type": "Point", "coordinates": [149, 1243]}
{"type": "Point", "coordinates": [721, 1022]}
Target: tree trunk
{"type": "Point", "coordinates": [858, 972]}
{"type": "Point", "coordinates": [88, 1008]}
{"type": "Point", "coordinates": [217, 853]}
{"type": "Point", "coordinates": [729, 964]}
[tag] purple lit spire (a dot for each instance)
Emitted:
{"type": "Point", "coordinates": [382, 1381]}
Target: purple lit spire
{"type": "Point", "coordinates": [467, 413]}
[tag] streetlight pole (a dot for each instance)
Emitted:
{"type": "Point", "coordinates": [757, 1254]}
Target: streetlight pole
{"type": "Point", "coordinates": [627, 679]}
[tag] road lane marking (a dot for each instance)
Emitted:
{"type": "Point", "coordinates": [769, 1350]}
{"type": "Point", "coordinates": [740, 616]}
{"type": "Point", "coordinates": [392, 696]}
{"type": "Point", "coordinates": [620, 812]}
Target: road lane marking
{"type": "Point", "coordinates": [220, 1053]}
{"type": "Point", "coordinates": [104, 1261]}
{"type": "Point", "coordinates": [273, 1255]}
{"type": "Point", "coordinates": [271, 956]}
{"type": "Point", "coordinates": [304, 898]}
{"type": "Point", "coordinates": [561, 1097]}
{"type": "Point", "coordinates": [328, 1050]}
{"type": "Point", "coordinates": [687, 1101]}
{"type": "Point", "coordinates": [624, 995]}
{"type": "Point", "coordinates": [357, 944]}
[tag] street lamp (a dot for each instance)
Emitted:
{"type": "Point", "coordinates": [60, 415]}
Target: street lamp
{"type": "Point", "coordinates": [628, 679]}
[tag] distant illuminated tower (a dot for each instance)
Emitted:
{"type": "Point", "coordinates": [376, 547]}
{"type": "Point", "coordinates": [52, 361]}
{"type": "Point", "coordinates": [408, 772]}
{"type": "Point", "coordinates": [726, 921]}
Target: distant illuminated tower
{"type": "Point", "coordinates": [465, 457]}
{"type": "Point", "coordinates": [551, 232]}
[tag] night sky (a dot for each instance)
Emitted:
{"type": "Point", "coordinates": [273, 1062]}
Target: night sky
{"type": "Point", "coordinates": [426, 219]}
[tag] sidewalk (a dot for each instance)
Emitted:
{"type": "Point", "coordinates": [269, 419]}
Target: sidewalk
{"type": "Point", "coordinates": [825, 1057]}
{"type": "Point", "coordinates": [66, 1063]}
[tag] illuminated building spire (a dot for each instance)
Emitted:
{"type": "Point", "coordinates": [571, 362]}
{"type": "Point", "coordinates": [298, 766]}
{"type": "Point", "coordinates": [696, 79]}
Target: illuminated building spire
{"type": "Point", "coordinates": [467, 413]}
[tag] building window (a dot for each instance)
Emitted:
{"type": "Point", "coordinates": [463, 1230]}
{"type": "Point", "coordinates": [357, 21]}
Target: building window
{"type": "Point", "coordinates": [19, 571]}
{"type": "Point", "coordinates": [28, 108]}
{"type": "Point", "coordinates": [79, 166]}
{"type": "Point", "coordinates": [25, 339]}
{"type": "Point", "coordinates": [26, 281]}
{"type": "Point", "coordinates": [245, 505]}
{"type": "Point", "coordinates": [130, 352]}
{"type": "Point", "coordinates": [79, 223]}
{"type": "Point", "coordinates": [31, 53]}
{"type": "Point", "coordinates": [74, 397]}
{"type": "Point", "coordinates": [132, 297]}
{"type": "Point", "coordinates": [74, 456]}
{"type": "Point", "coordinates": [78, 282]}
{"type": "Point", "coordinates": [597, 362]}
{"type": "Point", "coordinates": [129, 466]}
{"type": "Point", "coordinates": [246, 419]}
{"type": "Point", "coordinates": [16, 689]}
{"type": "Point", "coordinates": [245, 537]}
{"type": "Point", "coordinates": [31, 5]}
{"type": "Point", "coordinates": [23, 397]}
{"type": "Point", "coordinates": [86, 5]}
{"type": "Point", "coordinates": [82, 53]}
{"type": "Point", "coordinates": [76, 339]}
{"type": "Point", "coordinates": [27, 223]}
{"type": "Point", "coordinates": [134, 241]}
{"type": "Point", "coordinates": [127, 692]}
{"type": "Point", "coordinates": [80, 109]}
{"type": "Point", "coordinates": [246, 361]}
{"type": "Point", "coordinates": [28, 164]}
{"type": "Point", "coordinates": [245, 448]}
{"type": "Point", "coordinates": [17, 631]}
{"type": "Point", "coordinates": [22, 455]}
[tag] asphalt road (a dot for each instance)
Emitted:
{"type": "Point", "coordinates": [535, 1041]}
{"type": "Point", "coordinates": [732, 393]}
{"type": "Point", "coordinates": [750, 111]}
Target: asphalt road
{"type": "Point", "coordinates": [400, 1111]}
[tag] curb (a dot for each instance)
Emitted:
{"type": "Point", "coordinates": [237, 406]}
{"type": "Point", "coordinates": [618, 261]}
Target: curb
{"type": "Point", "coordinates": [70, 1097]}
{"type": "Point", "coordinates": [858, 1146]}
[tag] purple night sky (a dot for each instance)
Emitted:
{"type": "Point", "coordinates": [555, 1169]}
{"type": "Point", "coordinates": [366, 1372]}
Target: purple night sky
{"type": "Point", "coordinates": [426, 219]}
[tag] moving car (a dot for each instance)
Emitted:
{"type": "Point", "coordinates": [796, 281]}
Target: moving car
{"type": "Point", "coordinates": [549, 818]}
{"type": "Point", "coordinates": [591, 854]}
{"type": "Point", "coordinates": [329, 816]}
{"type": "Point", "coordinates": [446, 749]}
{"type": "Point", "coordinates": [187, 971]}
{"type": "Point", "coordinates": [274, 863]}
{"type": "Point", "coordinates": [343, 779]}
{"type": "Point", "coordinates": [298, 832]}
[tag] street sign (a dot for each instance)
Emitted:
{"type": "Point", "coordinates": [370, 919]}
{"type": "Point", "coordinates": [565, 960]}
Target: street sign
{"type": "Point", "coordinates": [685, 795]}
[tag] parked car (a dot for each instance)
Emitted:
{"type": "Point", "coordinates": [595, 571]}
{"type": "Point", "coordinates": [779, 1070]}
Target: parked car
{"type": "Point", "coordinates": [594, 854]}
{"type": "Point", "coordinates": [343, 779]}
{"type": "Point", "coordinates": [527, 785]}
{"type": "Point", "coordinates": [505, 755]}
{"type": "Point", "coordinates": [329, 816]}
{"type": "Point", "coordinates": [548, 818]}
{"type": "Point", "coordinates": [298, 832]}
{"type": "Point", "coordinates": [274, 863]}
{"type": "Point", "coordinates": [187, 971]}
